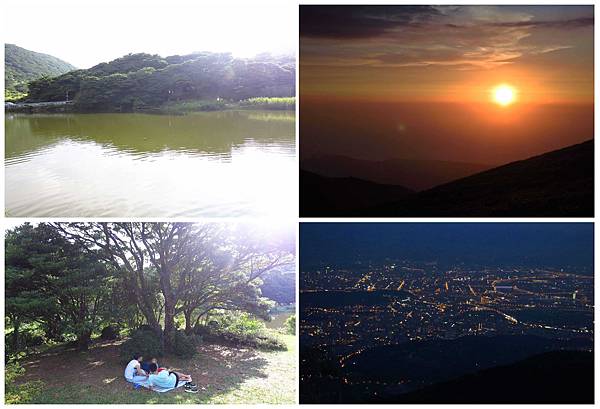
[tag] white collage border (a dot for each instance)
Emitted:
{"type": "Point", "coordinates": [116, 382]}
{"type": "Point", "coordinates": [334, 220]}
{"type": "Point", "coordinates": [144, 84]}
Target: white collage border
{"type": "Point", "coordinates": [9, 222]}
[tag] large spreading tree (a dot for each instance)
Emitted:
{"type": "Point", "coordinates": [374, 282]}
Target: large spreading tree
{"type": "Point", "coordinates": [183, 268]}
{"type": "Point", "coordinates": [70, 279]}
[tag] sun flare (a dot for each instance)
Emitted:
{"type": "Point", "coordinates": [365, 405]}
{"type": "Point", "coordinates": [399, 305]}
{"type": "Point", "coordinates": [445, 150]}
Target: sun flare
{"type": "Point", "coordinates": [504, 95]}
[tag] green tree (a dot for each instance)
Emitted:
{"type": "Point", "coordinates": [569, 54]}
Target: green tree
{"type": "Point", "coordinates": [290, 324]}
{"type": "Point", "coordinates": [25, 289]}
{"type": "Point", "coordinates": [65, 289]}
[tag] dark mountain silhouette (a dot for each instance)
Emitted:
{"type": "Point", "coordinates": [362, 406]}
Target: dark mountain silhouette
{"type": "Point", "coordinates": [413, 174]}
{"type": "Point", "coordinates": [338, 196]}
{"type": "Point", "coordinates": [555, 184]}
{"type": "Point", "coordinates": [557, 377]}
{"type": "Point", "coordinates": [558, 183]}
{"type": "Point", "coordinates": [415, 371]}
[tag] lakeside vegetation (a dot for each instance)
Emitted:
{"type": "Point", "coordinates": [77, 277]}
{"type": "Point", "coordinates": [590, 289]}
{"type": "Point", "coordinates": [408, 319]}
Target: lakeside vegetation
{"type": "Point", "coordinates": [269, 103]}
{"type": "Point", "coordinates": [257, 103]}
{"type": "Point", "coordinates": [13, 95]}
{"type": "Point", "coordinates": [175, 84]}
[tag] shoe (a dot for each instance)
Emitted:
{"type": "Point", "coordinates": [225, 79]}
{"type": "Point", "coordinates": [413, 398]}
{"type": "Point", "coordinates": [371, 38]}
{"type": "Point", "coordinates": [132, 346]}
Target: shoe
{"type": "Point", "coordinates": [191, 385]}
{"type": "Point", "coordinates": [191, 390]}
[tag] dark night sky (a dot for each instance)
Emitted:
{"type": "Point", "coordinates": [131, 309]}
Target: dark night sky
{"type": "Point", "coordinates": [549, 244]}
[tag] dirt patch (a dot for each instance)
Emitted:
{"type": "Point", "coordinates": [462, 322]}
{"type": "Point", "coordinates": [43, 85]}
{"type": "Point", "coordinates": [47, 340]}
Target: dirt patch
{"type": "Point", "coordinates": [215, 368]}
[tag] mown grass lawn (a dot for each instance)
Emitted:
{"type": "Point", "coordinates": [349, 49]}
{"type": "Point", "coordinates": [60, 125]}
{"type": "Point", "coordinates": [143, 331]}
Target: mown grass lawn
{"type": "Point", "coordinates": [224, 375]}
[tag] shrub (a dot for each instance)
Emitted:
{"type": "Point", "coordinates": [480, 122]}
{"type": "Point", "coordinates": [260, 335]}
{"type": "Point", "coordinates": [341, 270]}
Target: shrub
{"type": "Point", "coordinates": [142, 341]}
{"type": "Point", "coordinates": [109, 332]}
{"type": "Point", "coordinates": [290, 325]}
{"type": "Point", "coordinates": [261, 340]}
{"type": "Point", "coordinates": [244, 323]}
{"type": "Point", "coordinates": [19, 392]}
{"type": "Point", "coordinates": [241, 329]}
{"type": "Point", "coordinates": [204, 330]}
{"type": "Point", "coordinates": [145, 328]}
{"type": "Point", "coordinates": [185, 345]}
{"type": "Point", "coordinates": [27, 341]}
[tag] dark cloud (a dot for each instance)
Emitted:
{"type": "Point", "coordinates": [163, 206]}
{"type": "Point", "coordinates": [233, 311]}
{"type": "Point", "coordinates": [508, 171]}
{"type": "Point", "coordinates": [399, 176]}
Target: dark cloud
{"type": "Point", "coordinates": [571, 23]}
{"type": "Point", "coordinates": [358, 22]}
{"type": "Point", "coordinates": [419, 36]}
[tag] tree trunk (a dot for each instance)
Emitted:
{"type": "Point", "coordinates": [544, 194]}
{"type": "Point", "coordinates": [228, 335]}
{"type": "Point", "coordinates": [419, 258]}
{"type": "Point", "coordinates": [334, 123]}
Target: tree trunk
{"type": "Point", "coordinates": [53, 328]}
{"type": "Point", "coordinates": [15, 335]}
{"type": "Point", "coordinates": [84, 340]}
{"type": "Point", "coordinates": [189, 324]}
{"type": "Point", "coordinates": [169, 332]}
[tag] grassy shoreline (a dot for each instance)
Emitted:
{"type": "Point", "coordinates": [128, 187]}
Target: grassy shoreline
{"type": "Point", "coordinates": [172, 108]}
{"type": "Point", "coordinates": [258, 103]}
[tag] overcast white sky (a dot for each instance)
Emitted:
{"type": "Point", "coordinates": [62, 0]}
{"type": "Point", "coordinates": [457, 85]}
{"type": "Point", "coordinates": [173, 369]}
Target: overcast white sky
{"type": "Point", "coordinates": [90, 32]}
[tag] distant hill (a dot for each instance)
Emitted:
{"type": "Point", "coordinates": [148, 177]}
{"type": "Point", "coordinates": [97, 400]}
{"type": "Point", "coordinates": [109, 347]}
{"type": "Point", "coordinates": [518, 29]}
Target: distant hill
{"type": "Point", "coordinates": [325, 196]}
{"type": "Point", "coordinates": [413, 174]}
{"type": "Point", "coordinates": [145, 81]}
{"type": "Point", "coordinates": [557, 377]}
{"type": "Point", "coordinates": [22, 66]}
{"type": "Point", "coordinates": [279, 286]}
{"type": "Point", "coordinates": [558, 183]}
{"type": "Point", "coordinates": [555, 184]}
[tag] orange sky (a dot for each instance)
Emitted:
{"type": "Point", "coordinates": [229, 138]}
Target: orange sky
{"type": "Point", "coordinates": [447, 53]}
{"type": "Point", "coordinates": [415, 82]}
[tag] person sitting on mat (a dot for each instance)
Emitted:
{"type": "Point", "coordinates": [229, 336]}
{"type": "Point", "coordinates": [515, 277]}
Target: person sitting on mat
{"type": "Point", "coordinates": [169, 379]}
{"type": "Point", "coordinates": [133, 371]}
{"type": "Point", "coordinates": [146, 365]}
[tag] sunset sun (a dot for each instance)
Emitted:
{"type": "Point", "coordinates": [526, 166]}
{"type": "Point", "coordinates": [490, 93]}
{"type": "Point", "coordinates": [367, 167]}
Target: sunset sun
{"type": "Point", "coordinates": [504, 95]}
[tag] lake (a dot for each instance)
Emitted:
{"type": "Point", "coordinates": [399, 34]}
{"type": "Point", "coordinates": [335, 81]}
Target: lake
{"type": "Point", "coordinates": [217, 164]}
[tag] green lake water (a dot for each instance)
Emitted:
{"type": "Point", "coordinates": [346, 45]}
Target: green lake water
{"type": "Point", "coordinates": [217, 164]}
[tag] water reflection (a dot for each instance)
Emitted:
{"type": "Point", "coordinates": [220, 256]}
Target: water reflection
{"type": "Point", "coordinates": [206, 164]}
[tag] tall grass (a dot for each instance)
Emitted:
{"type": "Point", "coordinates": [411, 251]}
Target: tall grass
{"type": "Point", "coordinates": [184, 107]}
{"type": "Point", "coordinates": [258, 103]}
{"type": "Point", "coordinates": [274, 103]}
{"type": "Point", "coordinates": [13, 96]}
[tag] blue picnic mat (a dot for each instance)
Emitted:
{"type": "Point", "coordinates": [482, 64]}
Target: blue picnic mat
{"type": "Point", "coordinates": [161, 390]}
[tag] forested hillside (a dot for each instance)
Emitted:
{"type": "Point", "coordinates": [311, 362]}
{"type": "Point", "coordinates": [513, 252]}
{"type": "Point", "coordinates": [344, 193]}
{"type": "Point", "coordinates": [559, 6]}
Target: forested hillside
{"type": "Point", "coordinates": [144, 81]}
{"type": "Point", "coordinates": [280, 286]}
{"type": "Point", "coordinates": [22, 66]}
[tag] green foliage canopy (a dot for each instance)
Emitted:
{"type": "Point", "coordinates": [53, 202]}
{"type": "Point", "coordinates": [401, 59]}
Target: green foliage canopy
{"type": "Point", "coordinates": [70, 280]}
{"type": "Point", "coordinates": [143, 81]}
{"type": "Point", "coordinates": [51, 282]}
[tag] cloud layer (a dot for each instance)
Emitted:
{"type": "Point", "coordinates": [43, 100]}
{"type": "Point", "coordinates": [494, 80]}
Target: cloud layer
{"type": "Point", "coordinates": [459, 37]}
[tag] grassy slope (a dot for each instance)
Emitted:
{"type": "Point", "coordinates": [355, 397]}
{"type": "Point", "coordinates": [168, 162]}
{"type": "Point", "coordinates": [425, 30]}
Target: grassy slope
{"type": "Point", "coordinates": [223, 374]}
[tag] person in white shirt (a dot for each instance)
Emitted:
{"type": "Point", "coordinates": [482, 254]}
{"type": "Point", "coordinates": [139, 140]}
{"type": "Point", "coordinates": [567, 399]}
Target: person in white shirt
{"type": "Point", "coordinates": [133, 371]}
